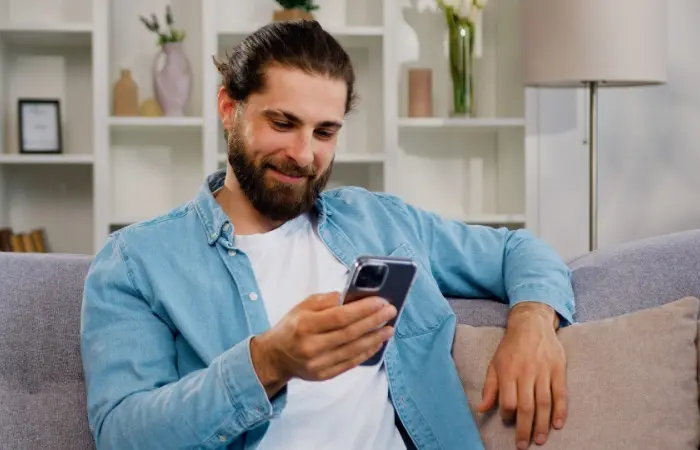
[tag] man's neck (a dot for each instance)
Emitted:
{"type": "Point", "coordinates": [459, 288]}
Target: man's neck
{"type": "Point", "coordinates": [244, 217]}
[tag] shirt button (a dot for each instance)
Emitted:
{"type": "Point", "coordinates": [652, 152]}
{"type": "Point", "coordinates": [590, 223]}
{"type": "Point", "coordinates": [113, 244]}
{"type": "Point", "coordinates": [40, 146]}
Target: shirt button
{"type": "Point", "coordinates": [253, 296]}
{"type": "Point", "coordinates": [232, 253]}
{"type": "Point", "coordinates": [223, 438]}
{"type": "Point", "coordinates": [227, 226]}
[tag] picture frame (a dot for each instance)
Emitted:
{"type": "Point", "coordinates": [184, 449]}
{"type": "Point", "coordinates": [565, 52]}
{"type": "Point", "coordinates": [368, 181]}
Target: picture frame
{"type": "Point", "coordinates": [39, 123]}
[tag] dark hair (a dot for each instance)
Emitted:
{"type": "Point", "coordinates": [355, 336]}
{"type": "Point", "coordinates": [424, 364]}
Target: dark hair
{"type": "Point", "coordinates": [299, 44]}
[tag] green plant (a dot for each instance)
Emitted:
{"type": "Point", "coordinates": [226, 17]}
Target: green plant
{"type": "Point", "coordinates": [164, 37]}
{"type": "Point", "coordinates": [306, 5]}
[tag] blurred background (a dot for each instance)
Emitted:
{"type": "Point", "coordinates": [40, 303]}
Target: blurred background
{"type": "Point", "coordinates": [108, 117]}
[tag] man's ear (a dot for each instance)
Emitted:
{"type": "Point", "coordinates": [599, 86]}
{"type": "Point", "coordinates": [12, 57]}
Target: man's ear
{"type": "Point", "coordinates": [227, 107]}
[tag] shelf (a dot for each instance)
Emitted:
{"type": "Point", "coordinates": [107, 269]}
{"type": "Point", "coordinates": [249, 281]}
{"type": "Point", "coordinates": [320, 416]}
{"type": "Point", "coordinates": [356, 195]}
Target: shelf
{"type": "Point", "coordinates": [338, 32]}
{"type": "Point", "coordinates": [46, 159]}
{"type": "Point", "coordinates": [480, 124]}
{"type": "Point", "coordinates": [48, 35]}
{"type": "Point", "coordinates": [360, 158]}
{"type": "Point", "coordinates": [155, 123]}
{"type": "Point", "coordinates": [349, 37]}
{"type": "Point", "coordinates": [494, 219]}
{"type": "Point", "coordinates": [342, 158]}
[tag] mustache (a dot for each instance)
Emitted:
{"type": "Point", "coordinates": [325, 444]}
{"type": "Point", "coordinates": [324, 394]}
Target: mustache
{"type": "Point", "coordinates": [291, 169]}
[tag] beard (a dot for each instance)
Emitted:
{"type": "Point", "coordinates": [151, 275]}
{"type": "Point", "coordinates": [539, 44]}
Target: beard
{"type": "Point", "coordinates": [274, 199]}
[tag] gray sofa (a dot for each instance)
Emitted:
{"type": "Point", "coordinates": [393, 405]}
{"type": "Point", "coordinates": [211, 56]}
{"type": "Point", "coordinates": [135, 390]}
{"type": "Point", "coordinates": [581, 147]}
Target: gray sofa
{"type": "Point", "coordinates": [41, 386]}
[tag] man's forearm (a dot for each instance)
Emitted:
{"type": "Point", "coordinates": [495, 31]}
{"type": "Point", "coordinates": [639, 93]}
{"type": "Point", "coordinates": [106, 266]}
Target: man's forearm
{"type": "Point", "coordinates": [224, 397]}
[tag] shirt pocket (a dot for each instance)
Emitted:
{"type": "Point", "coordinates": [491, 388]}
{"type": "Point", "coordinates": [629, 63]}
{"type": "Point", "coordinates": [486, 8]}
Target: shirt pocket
{"type": "Point", "coordinates": [425, 308]}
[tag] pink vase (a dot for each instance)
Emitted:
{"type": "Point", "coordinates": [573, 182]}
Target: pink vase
{"type": "Point", "coordinates": [173, 82]}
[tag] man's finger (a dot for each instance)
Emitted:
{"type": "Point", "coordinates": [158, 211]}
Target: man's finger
{"type": "Point", "coordinates": [525, 413]}
{"type": "Point", "coordinates": [490, 392]}
{"type": "Point", "coordinates": [543, 408]}
{"type": "Point", "coordinates": [559, 397]}
{"type": "Point", "coordinates": [358, 328]}
{"type": "Point", "coordinates": [320, 302]}
{"type": "Point", "coordinates": [507, 398]}
{"type": "Point", "coordinates": [340, 316]}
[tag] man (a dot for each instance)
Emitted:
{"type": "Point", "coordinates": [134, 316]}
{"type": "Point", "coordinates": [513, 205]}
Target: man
{"type": "Point", "coordinates": [219, 324]}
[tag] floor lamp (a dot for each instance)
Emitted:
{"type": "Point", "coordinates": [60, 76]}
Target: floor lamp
{"type": "Point", "coordinates": [593, 44]}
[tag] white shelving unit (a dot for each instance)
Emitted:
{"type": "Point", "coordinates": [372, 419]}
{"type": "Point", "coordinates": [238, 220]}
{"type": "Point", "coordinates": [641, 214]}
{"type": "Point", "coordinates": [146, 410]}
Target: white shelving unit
{"type": "Point", "coordinates": [117, 170]}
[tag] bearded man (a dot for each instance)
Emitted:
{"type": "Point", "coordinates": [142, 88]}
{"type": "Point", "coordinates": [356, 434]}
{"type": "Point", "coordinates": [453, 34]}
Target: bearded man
{"type": "Point", "coordinates": [220, 324]}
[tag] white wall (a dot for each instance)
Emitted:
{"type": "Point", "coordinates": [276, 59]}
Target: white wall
{"type": "Point", "coordinates": [649, 152]}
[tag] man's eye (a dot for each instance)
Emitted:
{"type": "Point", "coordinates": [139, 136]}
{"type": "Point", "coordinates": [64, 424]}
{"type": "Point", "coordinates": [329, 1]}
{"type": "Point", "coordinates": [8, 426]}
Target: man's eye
{"type": "Point", "coordinates": [281, 125]}
{"type": "Point", "coordinates": [324, 134]}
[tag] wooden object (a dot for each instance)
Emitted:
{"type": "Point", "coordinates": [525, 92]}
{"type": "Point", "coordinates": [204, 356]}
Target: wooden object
{"type": "Point", "coordinates": [420, 93]}
{"type": "Point", "coordinates": [38, 238]}
{"type": "Point", "coordinates": [125, 97]}
{"type": "Point", "coordinates": [6, 239]}
{"type": "Point", "coordinates": [17, 243]}
{"type": "Point", "coordinates": [291, 14]}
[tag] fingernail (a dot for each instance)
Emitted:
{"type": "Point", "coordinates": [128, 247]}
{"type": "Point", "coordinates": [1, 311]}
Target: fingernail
{"type": "Point", "coordinates": [522, 445]}
{"type": "Point", "coordinates": [558, 423]}
{"type": "Point", "coordinates": [540, 439]}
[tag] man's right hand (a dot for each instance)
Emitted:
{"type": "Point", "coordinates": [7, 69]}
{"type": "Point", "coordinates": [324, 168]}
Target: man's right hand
{"type": "Point", "coordinates": [320, 339]}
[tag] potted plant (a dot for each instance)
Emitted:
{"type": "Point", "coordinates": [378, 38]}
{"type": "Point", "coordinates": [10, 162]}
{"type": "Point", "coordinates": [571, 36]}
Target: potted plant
{"type": "Point", "coordinates": [171, 83]}
{"type": "Point", "coordinates": [295, 10]}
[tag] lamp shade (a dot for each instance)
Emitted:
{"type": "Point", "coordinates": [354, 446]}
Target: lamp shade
{"type": "Point", "coordinates": [568, 43]}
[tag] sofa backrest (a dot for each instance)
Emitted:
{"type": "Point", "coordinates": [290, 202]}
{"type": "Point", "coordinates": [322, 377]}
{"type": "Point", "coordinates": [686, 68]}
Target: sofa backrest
{"type": "Point", "coordinates": [42, 399]}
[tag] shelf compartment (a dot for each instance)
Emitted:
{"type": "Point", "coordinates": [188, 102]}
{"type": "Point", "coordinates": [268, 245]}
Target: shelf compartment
{"type": "Point", "coordinates": [476, 124]}
{"type": "Point", "coordinates": [58, 198]}
{"type": "Point", "coordinates": [338, 16]}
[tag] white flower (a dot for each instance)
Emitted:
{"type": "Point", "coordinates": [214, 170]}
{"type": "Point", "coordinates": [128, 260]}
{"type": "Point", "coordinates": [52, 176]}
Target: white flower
{"type": "Point", "coordinates": [466, 10]}
{"type": "Point", "coordinates": [455, 4]}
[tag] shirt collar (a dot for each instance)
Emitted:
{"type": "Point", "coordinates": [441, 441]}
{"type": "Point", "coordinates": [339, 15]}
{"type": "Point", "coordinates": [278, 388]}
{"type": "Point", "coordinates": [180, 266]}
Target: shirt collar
{"type": "Point", "coordinates": [213, 217]}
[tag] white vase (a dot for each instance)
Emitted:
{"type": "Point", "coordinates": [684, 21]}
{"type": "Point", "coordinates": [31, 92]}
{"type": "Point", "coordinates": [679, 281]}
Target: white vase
{"type": "Point", "coordinates": [173, 82]}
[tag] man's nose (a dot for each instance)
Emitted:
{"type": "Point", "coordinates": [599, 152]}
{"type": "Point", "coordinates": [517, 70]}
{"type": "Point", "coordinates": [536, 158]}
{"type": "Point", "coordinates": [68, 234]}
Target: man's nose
{"type": "Point", "coordinates": [302, 151]}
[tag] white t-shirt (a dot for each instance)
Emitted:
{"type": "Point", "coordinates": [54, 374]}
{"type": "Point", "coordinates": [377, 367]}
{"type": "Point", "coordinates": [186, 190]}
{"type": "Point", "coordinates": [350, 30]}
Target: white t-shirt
{"type": "Point", "coordinates": [351, 411]}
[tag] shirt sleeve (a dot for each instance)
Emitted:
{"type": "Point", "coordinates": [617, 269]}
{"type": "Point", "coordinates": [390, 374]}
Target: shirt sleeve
{"type": "Point", "coordinates": [135, 398]}
{"type": "Point", "coordinates": [474, 261]}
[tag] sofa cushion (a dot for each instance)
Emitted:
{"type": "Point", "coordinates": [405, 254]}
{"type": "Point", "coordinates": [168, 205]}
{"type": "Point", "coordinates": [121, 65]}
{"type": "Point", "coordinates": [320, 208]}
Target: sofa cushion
{"type": "Point", "coordinates": [632, 380]}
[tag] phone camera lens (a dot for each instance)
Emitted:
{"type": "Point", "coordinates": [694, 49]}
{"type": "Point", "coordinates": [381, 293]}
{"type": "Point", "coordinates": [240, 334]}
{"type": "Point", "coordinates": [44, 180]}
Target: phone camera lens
{"type": "Point", "coordinates": [371, 276]}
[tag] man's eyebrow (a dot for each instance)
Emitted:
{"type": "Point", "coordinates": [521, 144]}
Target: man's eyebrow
{"type": "Point", "coordinates": [276, 113]}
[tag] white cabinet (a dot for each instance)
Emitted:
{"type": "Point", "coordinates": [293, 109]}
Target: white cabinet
{"type": "Point", "coordinates": [117, 170]}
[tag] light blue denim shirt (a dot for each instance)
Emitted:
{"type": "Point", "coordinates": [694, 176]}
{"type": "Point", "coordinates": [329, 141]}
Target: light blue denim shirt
{"type": "Point", "coordinates": [170, 305]}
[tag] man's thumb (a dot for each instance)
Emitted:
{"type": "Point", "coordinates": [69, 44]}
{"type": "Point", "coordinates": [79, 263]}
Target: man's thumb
{"type": "Point", "coordinates": [490, 391]}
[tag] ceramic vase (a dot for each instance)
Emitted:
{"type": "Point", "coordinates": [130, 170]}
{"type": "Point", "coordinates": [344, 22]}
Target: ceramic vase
{"type": "Point", "coordinates": [173, 82]}
{"type": "Point", "coordinates": [420, 96]}
{"type": "Point", "coordinates": [125, 97]}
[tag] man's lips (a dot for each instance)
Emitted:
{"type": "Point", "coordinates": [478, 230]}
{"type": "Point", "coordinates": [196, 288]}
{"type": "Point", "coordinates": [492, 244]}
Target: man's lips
{"type": "Point", "coordinates": [285, 178]}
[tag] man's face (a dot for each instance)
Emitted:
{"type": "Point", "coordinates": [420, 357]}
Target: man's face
{"type": "Point", "coordinates": [282, 142]}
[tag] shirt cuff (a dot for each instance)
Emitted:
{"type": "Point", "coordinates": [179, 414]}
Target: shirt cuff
{"type": "Point", "coordinates": [561, 302]}
{"type": "Point", "coordinates": [246, 392]}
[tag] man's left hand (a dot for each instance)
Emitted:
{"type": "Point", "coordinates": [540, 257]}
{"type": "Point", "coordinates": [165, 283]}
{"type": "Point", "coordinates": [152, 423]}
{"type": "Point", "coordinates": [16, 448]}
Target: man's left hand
{"type": "Point", "coordinates": [527, 375]}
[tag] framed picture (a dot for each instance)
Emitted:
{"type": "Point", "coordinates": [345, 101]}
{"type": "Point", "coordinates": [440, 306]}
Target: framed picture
{"type": "Point", "coordinates": [39, 125]}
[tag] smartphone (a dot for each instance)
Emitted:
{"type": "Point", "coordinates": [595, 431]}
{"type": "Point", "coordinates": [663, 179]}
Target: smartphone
{"type": "Point", "coordinates": [390, 278]}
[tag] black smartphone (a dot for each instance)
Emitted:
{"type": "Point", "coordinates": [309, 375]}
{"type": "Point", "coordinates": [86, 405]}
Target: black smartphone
{"type": "Point", "coordinates": [390, 278]}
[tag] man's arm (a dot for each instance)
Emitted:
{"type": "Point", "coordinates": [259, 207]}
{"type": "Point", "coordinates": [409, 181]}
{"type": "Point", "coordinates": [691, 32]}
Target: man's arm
{"type": "Point", "coordinates": [471, 261]}
{"type": "Point", "coordinates": [527, 376]}
{"type": "Point", "coordinates": [135, 397]}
